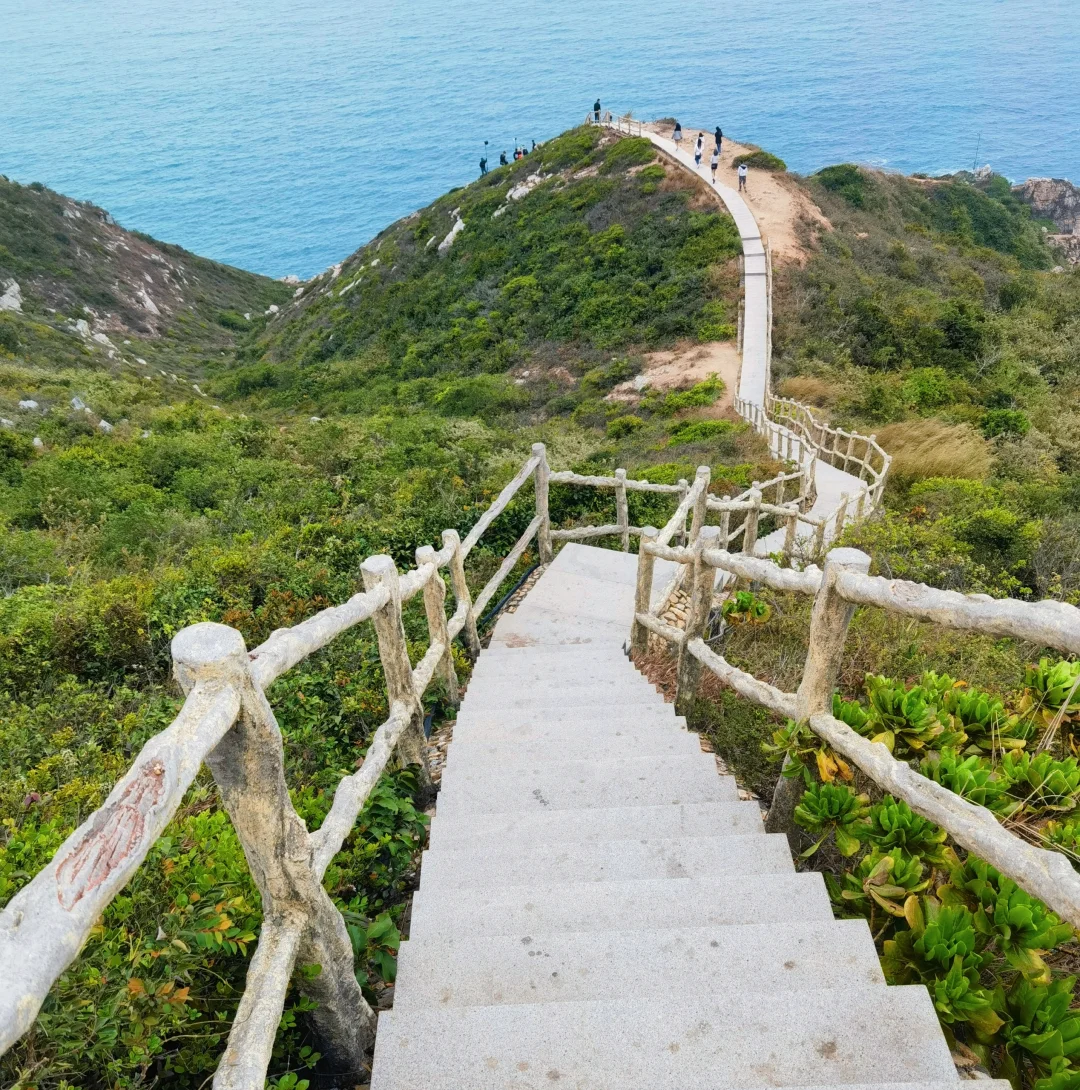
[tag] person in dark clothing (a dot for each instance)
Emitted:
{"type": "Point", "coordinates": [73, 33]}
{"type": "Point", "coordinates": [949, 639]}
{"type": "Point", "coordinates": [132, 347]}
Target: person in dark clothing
{"type": "Point", "coordinates": [719, 138]}
{"type": "Point", "coordinates": [534, 146]}
{"type": "Point", "coordinates": [483, 167]}
{"type": "Point", "coordinates": [596, 111]}
{"type": "Point", "coordinates": [503, 162]}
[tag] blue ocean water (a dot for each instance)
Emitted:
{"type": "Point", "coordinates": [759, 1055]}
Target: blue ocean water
{"type": "Point", "coordinates": [279, 136]}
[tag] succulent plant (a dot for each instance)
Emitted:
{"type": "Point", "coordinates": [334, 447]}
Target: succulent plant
{"type": "Point", "coordinates": [1041, 782]}
{"type": "Point", "coordinates": [893, 824]}
{"type": "Point", "coordinates": [833, 808]}
{"type": "Point", "coordinates": [972, 778]}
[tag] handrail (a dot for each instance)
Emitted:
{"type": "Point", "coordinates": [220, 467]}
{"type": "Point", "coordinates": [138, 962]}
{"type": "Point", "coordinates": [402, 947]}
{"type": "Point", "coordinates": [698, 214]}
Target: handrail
{"type": "Point", "coordinates": [843, 584]}
{"type": "Point", "coordinates": [226, 721]}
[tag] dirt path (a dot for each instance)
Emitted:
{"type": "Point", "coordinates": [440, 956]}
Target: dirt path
{"type": "Point", "coordinates": [778, 204]}
{"type": "Point", "coordinates": [684, 365]}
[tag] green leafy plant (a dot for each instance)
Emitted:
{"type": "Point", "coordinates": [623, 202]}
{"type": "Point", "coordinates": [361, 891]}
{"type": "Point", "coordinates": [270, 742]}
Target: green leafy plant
{"type": "Point", "coordinates": [833, 808]}
{"type": "Point", "coordinates": [1042, 783]}
{"type": "Point", "coordinates": [745, 607]}
{"type": "Point", "coordinates": [893, 824]}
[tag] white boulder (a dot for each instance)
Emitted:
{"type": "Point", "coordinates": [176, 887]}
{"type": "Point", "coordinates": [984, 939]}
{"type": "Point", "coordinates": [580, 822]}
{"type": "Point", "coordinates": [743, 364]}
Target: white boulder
{"type": "Point", "coordinates": [28, 403]}
{"type": "Point", "coordinates": [11, 299]}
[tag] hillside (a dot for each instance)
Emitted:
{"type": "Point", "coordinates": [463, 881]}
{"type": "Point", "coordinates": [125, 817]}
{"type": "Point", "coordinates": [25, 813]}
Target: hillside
{"type": "Point", "coordinates": [936, 315]}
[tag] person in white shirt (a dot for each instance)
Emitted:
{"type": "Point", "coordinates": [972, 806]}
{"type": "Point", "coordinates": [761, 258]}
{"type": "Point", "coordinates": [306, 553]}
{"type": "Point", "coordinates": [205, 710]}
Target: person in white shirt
{"type": "Point", "coordinates": [742, 176]}
{"type": "Point", "coordinates": [697, 150]}
{"type": "Point", "coordinates": [714, 162]}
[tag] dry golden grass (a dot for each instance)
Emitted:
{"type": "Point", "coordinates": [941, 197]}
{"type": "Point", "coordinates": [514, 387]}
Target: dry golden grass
{"type": "Point", "coordinates": [809, 390]}
{"type": "Point", "coordinates": [931, 448]}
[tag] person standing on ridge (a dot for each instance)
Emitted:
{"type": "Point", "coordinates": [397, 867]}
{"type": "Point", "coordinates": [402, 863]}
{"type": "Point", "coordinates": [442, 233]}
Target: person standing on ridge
{"type": "Point", "coordinates": [697, 150]}
{"type": "Point", "coordinates": [483, 166]}
{"type": "Point", "coordinates": [677, 135]}
{"type": "Point", "coordinates": [719, 135]}
{"type": "Point", "coordinates": [502, 159]}
{"type": "Point", "coordinates": [714, 162]}
{"type": "Point", "coordinates": [596, 111]}
{"type": "Point", "coordinates": [742, 176]}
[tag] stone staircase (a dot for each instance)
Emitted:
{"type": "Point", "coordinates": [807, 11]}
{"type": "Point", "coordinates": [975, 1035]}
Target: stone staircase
{"type": "Point", "coordinates": [598, 910]}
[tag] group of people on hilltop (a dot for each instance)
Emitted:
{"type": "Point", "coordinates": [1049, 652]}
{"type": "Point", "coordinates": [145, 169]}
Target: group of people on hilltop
{"type": "Point", "coordinates": [714, 162]}
{"type": "Point", "coordinates": [519, 153]}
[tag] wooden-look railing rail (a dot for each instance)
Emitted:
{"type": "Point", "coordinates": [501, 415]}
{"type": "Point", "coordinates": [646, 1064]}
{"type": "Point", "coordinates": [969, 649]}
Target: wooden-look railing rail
{"type": "Point", "coordinates": [227, 723]}
{"type": "Point", "coordinates": [838, 589]}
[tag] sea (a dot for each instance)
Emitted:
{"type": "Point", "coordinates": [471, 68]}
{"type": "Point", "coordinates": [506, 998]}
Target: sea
{"type": "Point", "coordinates": [279, 135]}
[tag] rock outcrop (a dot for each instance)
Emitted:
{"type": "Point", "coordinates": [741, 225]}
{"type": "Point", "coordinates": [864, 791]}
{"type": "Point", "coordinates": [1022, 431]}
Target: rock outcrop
{"type": "Point", "coordinates": [1054, 199]}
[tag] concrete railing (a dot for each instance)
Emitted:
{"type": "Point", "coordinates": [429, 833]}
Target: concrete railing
{"type": "Point", "coordinates": [837, 590]}
{"type": "Point", "coordinates": [227, 723]}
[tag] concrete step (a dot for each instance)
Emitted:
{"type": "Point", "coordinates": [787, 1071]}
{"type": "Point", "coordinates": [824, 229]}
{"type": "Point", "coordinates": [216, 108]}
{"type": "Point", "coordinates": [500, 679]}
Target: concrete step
{"type": "Point", "coordinates": [617, 672]}
{"type": "Point", "coordinates": [605, 861]}
{"type": "Point", "coordinates": [474, 971]}
{"type": "Point", "coordinates": [583, 785]}
{"type": "Point", "coordinates": [776, 899]}
{"type": "Point", "coordinates": [553, 697]}
{"type": "Point", "coordinates": [481, 723]}
{"type": "Point", "coordinates": [512, 752]}
{"type": "Point", "coordinates": [543, 627]}
{"type": "Point", "coordinates": [606, 733]}
{"type": "Point", "coordinates": [831, 1037]}
{"type": "Point", "coordinates": [616, 823]}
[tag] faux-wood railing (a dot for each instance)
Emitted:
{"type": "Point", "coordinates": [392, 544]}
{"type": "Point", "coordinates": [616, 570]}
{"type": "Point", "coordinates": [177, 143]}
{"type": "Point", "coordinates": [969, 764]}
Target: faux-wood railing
{"type": "Point", "coordinates": [837, 590]}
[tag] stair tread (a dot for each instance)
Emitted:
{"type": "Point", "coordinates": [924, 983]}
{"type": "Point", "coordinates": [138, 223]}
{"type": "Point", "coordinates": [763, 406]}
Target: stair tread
{"type": "Point", "coordinates": [606, 860]}
{"type": "Point", "coordinates": [621, 905]}
{"type": "Point", "coordinates": [831, 1037]}
{"type": "Point", "coordinates": [471, 970]}
{"type": "Point", "coordinates": [616, 822]}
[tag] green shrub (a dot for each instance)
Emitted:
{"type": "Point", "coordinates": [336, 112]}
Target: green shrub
{"type": "Point", "coordinates": [847, 181]}
{"type": "Point", "coordinates": [628, 152]}
{"type": "Point", "coordinates": [761, 160]}
{"type": "Point", "coordinates": [1004, 422]}
{"type": "Point", "coordinates": [623, 426]}
{"type": "Point", "coordinates": [485, 396]}
{"type": "Point", "coordinates": [230, 319]}
{"type": "Point", "coordinates": [9, 336]}
{"type": "Point", "coordinates": [701, 431]}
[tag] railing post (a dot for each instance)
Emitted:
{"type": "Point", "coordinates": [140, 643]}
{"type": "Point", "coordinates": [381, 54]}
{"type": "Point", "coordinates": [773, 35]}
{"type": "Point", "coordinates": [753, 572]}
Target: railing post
{"type": "Point", "coordinates": [701, 504]}
{"type": "Point", "coordinates": [435, 608]}
{"type": "Point", "coordinates": [639, 634]}
{"type": "Point", "coordinates": [703, 579]}
{"type": "Point", "coordinates": [828, 632]}
{"type": "Point", "coordinates": [725, 529]}
{"type": "Point", "coordinates": [781, 488]}
{"type": "Point", "coordinates": [461, 593]}
{"type": "Point", "coordinates": [684, 487]}
{"type": "Point", "coordinates": [753, 515]}
{"type": "Point", "coordinates": [841, 516]}
{"type": "Point", "coordinates": [622, 510]}
{"type": "Point", "coordinates": [540, 480]}
{"type": "Point", "coordinates": [382, 571]}
{"type": "Point", "coordinates": [248, 766]}
{"type": "Point", "coordinates": [790, 532]}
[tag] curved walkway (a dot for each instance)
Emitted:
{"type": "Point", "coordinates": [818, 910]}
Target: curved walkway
{"type": "Point", "coordinates": [832, 484]}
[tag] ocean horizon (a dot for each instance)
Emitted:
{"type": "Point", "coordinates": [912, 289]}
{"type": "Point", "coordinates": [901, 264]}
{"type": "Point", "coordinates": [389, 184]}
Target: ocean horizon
{"type": "Point", "coordinates": [279, 138]}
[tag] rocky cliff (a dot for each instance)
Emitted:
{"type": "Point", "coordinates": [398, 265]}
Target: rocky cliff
{"type": "Point", "coordinates": [1058, 200]}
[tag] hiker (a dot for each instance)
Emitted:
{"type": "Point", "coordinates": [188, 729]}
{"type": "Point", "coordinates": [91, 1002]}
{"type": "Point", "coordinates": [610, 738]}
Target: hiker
{"type": "Point", "coordinates": [483, 167]}
{"type": "Point", "coordinates": [596, 111]}
{"type": "Point", "coordinates": [714, 162]}
{"type": "Point", "coordinates": [533, 148]}
{"type": "Point", "coordinates": [742, 176]}
{"type": "Point", "coordinates": [719, 136]}
{"type": "Point", "coordinates": [677, 135]}
{"type": "Point", "coordinates": [502, 159]}
{"type": "Point", "coordinates": [697, 150]}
